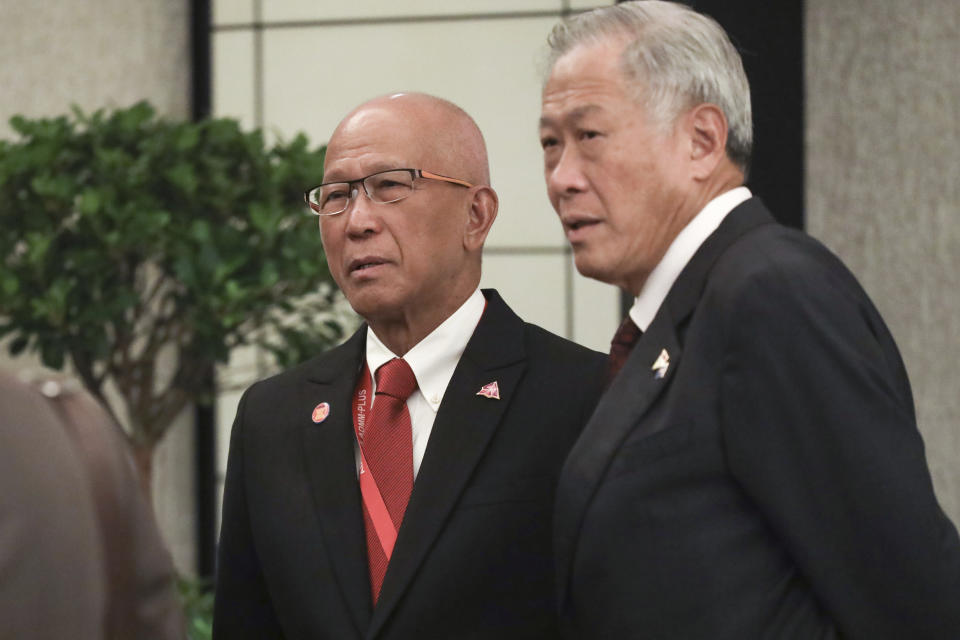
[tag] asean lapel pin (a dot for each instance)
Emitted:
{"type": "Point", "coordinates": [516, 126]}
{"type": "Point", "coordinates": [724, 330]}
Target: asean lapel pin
{"type": "Point", "coordinates": [490, 390]}
{"type": "Point", "coordinates": [661, 365]}
{"type": "Point", "coordinates": [320, 412]}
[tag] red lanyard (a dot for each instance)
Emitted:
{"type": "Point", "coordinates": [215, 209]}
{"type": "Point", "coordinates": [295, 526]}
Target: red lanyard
{"type": "Point", "coordinates": [372, 498]}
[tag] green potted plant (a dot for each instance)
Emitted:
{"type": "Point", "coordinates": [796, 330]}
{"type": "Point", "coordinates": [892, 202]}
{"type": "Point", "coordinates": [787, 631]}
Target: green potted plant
{"type": "Point", "coordinates": [141, 251]}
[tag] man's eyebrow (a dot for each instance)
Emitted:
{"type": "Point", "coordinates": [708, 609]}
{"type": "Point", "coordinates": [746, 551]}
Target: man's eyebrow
{"type": "Point", "coordinates": [574, 115]}
{"type": "Point", "coordinates": [336, 175]}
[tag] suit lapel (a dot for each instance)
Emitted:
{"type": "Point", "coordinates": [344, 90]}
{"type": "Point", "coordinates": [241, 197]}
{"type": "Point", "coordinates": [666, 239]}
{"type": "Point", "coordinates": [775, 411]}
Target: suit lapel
{"type": "Point", "coordinates": [611, 422]}
{"type": "Point", "coordinates": [331, 470]}
{"type": "Point", "coordinates": [636, 387]}
{"type": "Point", "coordinates": [461, 432]}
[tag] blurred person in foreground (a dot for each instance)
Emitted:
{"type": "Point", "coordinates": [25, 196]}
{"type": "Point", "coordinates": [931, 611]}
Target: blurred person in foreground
{"type": "Point", "coordinates": [754, 469]}
{"type": "Point", "coordinates": [425, 513]}
{"type": "Point", "coordinates": [80, 554]}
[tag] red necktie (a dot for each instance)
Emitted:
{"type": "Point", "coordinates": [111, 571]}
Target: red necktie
{"type": "Point", "coordinates": [388, 449]}
{"type": "Point", "coordinates": [623, 340]}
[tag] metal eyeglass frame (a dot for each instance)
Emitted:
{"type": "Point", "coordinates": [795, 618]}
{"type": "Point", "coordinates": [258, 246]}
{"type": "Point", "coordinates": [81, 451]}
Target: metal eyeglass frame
{"type": "Point", "coordinates": [414, 174]}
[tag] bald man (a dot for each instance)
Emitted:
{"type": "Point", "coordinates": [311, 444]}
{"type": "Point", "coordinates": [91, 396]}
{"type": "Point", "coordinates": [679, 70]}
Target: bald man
{"type": "Point", "coordinates": [401, 485]}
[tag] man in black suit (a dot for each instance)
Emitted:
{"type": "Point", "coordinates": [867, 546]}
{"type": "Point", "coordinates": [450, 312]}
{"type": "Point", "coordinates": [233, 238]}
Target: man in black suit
{"type": "Point", "coordinates": [754, 470]}
{"type": "Point", "coordinates": [404, 211]}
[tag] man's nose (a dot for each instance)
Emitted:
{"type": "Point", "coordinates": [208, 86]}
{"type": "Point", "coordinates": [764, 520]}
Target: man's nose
{"type": "Point", "coordinates": [361, 214]}
{"type": "Point", "coordinates": [566, 176]}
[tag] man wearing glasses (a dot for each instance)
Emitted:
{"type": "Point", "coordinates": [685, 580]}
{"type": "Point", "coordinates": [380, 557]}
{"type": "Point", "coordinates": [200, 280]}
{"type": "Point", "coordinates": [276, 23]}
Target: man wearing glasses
{"type": "Point", "coordinates": [401, 485]}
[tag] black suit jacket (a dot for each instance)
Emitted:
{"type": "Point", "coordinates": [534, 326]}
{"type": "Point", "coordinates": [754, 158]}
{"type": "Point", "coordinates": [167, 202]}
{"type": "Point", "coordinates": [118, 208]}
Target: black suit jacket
{"type": "Point", "coordinates": [473, 557]}
{"type": "Point", "coordinates": [772, 484]}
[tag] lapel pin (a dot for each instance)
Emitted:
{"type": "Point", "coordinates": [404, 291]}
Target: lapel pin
{"type": "Point", "coordinates": [490, 390]}
{"type": "Point", "coordinates": [661, 365]}
{"type": "Point", "coordinates": [320, 412]}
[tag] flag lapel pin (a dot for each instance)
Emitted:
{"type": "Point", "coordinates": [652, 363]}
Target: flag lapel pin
{"type": "Point", "coordinates": [490, 390]}
{"type": "Point", "coordinates": [661, 365]}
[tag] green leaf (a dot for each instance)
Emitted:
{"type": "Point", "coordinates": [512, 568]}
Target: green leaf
{"type": "Point", "coordinates": [37, 246]}
{"type": "Point", "coordinates": [59, 187]}
{"type": "Point", "coordinates": [135, 117]}
{"type": "Point", "coordinates": [183, 178]}
{"type": "Point", "coordinates": [9, 284]}
{"type": "Point", "coordinates": [263, 218]}
{"type": "Point", "coordinates": [18, 344]}
{"type": "Point", "coordinates": [269, 275]}
{"type": "Point", "coordinates": [51, 354]}
{"type": "Point", "coordinates": [187, 138]}
{"type": "Point", "coordinates": [90, 201]}
{"type": "Point", "coordinates": [19, 124]}
{"type": "Point", "coordinates": [185, 271]}
{"type": "Point", "coordinates": [200, 231]}
{"type": "Point", "coordinates": [233, 290]}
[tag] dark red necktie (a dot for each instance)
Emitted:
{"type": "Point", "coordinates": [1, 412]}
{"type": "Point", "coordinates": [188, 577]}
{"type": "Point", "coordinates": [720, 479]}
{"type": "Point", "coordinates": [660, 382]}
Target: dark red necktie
{"type": "Point", "coordinates": [388, 449]}
{"type": "Point", "coordinates": [623, 340]}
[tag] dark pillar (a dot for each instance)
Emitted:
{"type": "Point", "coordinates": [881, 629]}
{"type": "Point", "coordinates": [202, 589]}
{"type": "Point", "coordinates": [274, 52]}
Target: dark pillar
{"type": "Point", "coordinates": [204, 417]}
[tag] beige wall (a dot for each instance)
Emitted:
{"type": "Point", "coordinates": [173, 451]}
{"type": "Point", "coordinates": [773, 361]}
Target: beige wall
{"type": "Point", "coordinates": [883, 186]}
{"type": "Point", "coordinates": [102, 53]}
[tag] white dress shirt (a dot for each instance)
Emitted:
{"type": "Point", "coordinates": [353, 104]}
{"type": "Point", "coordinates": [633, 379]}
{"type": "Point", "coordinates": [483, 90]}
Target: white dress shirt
{"type": "Point", "coordinates": [661, 279]}
{"type": "Point", "coordinates": [433, 361]}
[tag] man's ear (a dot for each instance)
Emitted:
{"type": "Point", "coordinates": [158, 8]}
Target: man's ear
{"type": "Point", "coordinates": [480, 217]}
{"type": "Point", "coordinates": [707, 128]}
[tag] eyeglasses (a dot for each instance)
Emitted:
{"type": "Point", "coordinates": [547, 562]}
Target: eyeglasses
{"type": "Point", "coordinates": [383, 187]}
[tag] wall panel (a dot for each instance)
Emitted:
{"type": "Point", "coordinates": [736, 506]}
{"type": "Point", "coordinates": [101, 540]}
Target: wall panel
{"type": "Point", "coordinates": [882, 163]}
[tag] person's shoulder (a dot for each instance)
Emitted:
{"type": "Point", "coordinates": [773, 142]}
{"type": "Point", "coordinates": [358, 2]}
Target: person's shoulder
{"type": "Point", "coordinates": [567, 373]}
{"type": "Point", "coordinates": [774, 245]}
{"type": "Point", "coordinates": [538, 342]}
{"type": "Point", "coordinates": [780, 260]}
{"type": "Point", "coordinates": [32, 429]}
{"type": "Point", "coordinates": [780, 280]}
{"type": "Point", "coordinates": [548, 345]}
{"type": "Point", "coordinates": [334, 361]}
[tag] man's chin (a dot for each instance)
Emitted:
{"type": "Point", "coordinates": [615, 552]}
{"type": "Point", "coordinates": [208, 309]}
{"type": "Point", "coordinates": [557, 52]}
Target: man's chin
{"type": "Point", "coordinates": [590, 267]}
{"type": "Point", "coordinates": [369, 303]}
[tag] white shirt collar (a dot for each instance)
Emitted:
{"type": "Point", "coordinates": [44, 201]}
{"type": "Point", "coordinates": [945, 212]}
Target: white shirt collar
{"type": "Point", "coordinates": [661, 279]}
{"type": "Point", "coordinates": [434, 358]}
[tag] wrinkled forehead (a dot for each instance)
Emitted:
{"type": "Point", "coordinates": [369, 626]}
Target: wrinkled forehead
{"type": "Point", "coordinates": [378, 137]}
{"type": "Point", "coordinates": [585, 82]}
{"type": "Point", "coordinates": [591, 60]}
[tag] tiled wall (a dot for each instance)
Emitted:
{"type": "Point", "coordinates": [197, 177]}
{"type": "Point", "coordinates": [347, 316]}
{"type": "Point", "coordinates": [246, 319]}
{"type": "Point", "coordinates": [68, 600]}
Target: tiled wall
{"type": "Point", "coordinates": [301, 65]}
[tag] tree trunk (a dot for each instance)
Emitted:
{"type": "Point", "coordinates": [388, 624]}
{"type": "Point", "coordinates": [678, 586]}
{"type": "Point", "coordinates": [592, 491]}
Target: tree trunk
{"type": "Point", "coordinates": [143, 456]}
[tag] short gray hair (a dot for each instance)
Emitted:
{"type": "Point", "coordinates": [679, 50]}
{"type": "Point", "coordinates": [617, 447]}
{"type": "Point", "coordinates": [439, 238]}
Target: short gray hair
{"type": "Point", "coordinates": [676, 58]}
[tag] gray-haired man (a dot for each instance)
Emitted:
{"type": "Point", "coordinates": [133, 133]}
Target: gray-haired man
{"type": "Point", "coordinates": [754, 470]}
